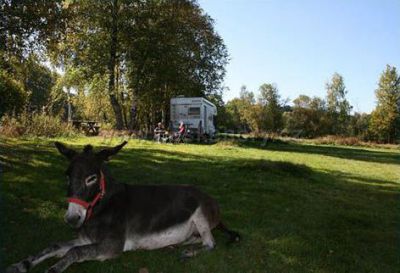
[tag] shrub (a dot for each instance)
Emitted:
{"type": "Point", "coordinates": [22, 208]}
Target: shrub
{"type": "Point", "coordinates": [338, 140]}
{"type": "Point", "coordinates": [40, 125]}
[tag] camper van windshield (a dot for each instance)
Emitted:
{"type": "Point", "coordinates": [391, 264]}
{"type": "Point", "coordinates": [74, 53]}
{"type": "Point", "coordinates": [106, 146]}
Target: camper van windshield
{"type": "Point", "coordinates": [194, 111]}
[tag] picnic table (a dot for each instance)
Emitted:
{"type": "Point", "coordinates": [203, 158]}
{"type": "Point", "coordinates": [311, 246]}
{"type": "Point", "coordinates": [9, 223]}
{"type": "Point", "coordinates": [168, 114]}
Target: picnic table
{"type": "Point", "coordinates": [88, 126]}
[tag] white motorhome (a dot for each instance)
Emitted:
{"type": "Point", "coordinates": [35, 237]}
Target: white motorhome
{"type": "Point", "coordinates": [196, 113]}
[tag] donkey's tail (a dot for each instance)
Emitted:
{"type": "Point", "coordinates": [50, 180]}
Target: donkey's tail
{"type": "Point", "coordinates": [233, 235]}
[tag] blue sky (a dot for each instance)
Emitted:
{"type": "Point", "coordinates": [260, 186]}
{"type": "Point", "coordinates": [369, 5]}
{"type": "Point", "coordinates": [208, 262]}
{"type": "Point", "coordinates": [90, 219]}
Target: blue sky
{"type": "Point", "coordinates": [298, 45]}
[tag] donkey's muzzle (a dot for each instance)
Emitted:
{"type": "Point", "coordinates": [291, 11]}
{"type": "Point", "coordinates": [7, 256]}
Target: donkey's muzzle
{"type": "Point", "coordinates": [75, 215]}
{"type": "Point", "coordinates": [73, 220]}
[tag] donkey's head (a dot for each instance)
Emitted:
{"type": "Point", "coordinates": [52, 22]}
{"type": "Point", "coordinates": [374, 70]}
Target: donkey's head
{"type": "Point", "coordinates": [86, 184]}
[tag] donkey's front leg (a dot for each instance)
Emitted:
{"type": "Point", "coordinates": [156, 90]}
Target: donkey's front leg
{"type": "Point", "coordinates": [56, 250]}
{"type": "Point", "coordinates": [100, 251]}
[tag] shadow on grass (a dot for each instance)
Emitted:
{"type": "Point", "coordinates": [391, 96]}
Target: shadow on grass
{"type": "Point", "coordinates": [333, 151]}
{"type": "Point", "coordinates": [32, 203]}
{"type": "Point", "coordinates": [292, 218]}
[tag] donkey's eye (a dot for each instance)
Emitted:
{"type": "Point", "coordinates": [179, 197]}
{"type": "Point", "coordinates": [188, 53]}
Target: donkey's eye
{"type": "Point", "coordinates": [91, 179]}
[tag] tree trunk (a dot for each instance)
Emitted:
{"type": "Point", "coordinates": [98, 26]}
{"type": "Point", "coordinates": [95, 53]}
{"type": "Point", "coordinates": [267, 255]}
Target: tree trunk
{"type": "Point", "coordinates": [111, 68]}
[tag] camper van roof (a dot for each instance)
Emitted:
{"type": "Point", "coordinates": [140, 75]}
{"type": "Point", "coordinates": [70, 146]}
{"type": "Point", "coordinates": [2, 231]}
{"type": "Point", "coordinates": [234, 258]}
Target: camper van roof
{"type": "Point", "coordinates": [200, 99]}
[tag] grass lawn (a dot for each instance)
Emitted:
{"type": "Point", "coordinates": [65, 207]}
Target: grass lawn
{"type": "Point", "coordinates": [299, 208]}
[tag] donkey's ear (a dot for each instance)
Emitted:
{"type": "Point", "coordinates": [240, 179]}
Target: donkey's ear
{"type": "Point", "coordinates": [67, 152]}
{"type": "Point", "coordinates": [106, 153]}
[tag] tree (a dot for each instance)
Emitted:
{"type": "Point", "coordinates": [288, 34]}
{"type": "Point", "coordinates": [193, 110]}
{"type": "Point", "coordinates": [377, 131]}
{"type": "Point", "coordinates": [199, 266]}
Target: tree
{"type": "Point", "coordinates": [385, 119]}
{"type": "Point", "coordinates": [176, 52]}
{"type": "Point", "coordinates": [308, 117]}
{"type": "Point", "coordinates": [92, 44]}
{"type": "Point", "coordinates": [239, 111]}
{"type": "Point", "coordinates": [246, 109]}
{"type": "Point", "coordinates": [245, 114]}
{"type": "Point", "coordinates": [27, 26]}
{"type": "Point", "coordinates": [337, 105]}
{"type": "Point", "coordinates": [272, 109]}
{"type": "Point", "coordinates": [359, 123]}
{"type": "Point", "coordinates": [234, 120]}
{"type": "Point", "coordinates": [34, 79]}
{"type": "Point", "coordinates": [12, 96]}
{"type": "Point", "coordinates": [255, 118]}
{"type": "Point", "coordinates": [222, 116]}
{"type": "Point", "coordinates": [38, 83]}
{"type": "Point", "coordinates": [151, 51]}
{"type": "Point", "coordinates": [246, 96]}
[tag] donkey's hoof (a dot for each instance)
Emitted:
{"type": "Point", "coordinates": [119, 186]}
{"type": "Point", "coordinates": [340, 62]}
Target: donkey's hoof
{"type": "Point", "coordinates": [188, 253]}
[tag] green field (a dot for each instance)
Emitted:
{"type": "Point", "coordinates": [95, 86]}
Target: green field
{"type": "Point", "coordinates": [299, 208]}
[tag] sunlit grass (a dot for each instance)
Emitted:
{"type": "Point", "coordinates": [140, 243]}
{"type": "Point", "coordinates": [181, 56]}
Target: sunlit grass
{"type": "Point", "coordinates": [300, 208]}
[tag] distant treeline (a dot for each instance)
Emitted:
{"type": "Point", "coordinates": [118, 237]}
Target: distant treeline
{"type": "Point", "coordinates": [310, 117]}
{"type": "Point", "coordinates": [123, 60]}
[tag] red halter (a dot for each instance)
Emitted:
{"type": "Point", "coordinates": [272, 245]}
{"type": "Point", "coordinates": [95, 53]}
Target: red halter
{"type": "Point", "coordinates": [90, 205]}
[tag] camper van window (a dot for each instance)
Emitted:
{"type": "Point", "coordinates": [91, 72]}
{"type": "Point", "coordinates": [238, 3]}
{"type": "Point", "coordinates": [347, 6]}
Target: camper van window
{"type": "Point", "coordinates": [194, 111]}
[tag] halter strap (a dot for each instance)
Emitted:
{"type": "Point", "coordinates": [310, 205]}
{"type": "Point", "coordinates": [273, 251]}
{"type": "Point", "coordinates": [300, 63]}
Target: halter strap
{"type": "Point", "coordinates": [90, 205]}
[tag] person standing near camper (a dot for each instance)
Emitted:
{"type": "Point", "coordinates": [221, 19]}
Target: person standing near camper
{"type": "Point", "coordinates": [182, 128]}
{"type": "Point", "coordinates": [181, 131]}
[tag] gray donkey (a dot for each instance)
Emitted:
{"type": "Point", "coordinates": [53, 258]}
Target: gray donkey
{"type": "Point", "coordinates": [112, 217]}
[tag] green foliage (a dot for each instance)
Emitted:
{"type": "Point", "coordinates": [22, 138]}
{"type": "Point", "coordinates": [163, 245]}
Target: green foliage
{"type": "Point", "coordinates": [385, 119]}
{"type": "Point", "coordinates": [271, 108]}
{"type": "Point", "coordinates": [29, 83]}
{"type": "Point", "coordinates": [29, 25]}
{"type": "Point", "coordinates": [359, 123]}
{"type": "Point", "coordinates": [219, 121]}
{"type": "Point", "coordinates": [240, 112]}
{"type": "Point", "coordinates": [12, 96]}
{"type": "Point", "coordinates": [38, 81]}
{"type": "Point", "coordinates": [97, 106]}
{"type": "Point", "coordinates": [337, 105]}
{"type": "Point", "coordinates": [250, 116]}
{"type": "Point", "coordinates": [265, 115]}
{"type": "Point", "coordinates": [234, 119]}
{"type": "Point", "coordinates": [177, 52]}
{"type": "Point", "coordinates": [150, 51]}
{"type": "Point", "coordinates": [88, 97]}
{"type": "Point", "coordinates": [308, 118]}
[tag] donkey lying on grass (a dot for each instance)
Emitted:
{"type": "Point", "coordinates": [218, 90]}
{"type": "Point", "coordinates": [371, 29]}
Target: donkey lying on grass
{"type": "Point", "coordinates": [111, 217]}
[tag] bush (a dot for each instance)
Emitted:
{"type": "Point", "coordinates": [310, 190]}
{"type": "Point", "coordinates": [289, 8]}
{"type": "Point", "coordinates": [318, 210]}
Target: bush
{"type": "Point", "coordinates": [338, 140]}
{"type": "Point", "coordinates": [35, 125]}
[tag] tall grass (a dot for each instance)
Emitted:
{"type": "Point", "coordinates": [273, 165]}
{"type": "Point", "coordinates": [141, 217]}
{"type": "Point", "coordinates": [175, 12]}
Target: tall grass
{"type": "Point", "coordinates": [39, 125]}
